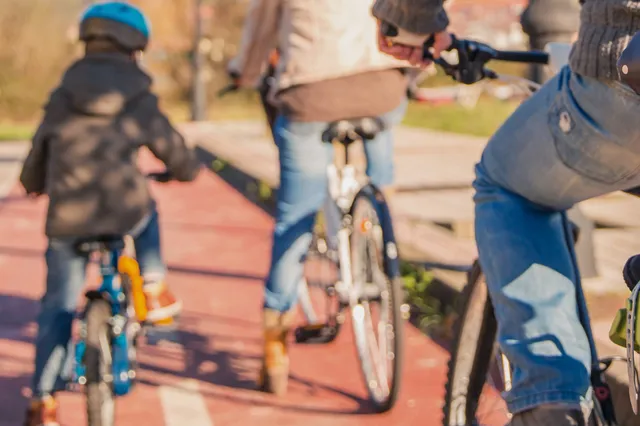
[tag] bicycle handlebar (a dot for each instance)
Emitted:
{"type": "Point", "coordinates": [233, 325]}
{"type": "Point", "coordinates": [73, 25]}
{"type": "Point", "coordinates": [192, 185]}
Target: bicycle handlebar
{"type": "Point", "coordinates": [232, 87]}
{"type": "Point", "coordinates": [474, 55]}
{"type": "Point", "coordinates": [527, 57]}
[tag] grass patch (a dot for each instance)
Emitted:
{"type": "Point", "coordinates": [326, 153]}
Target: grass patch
{"type": "Point", "coordinates": [483, 120]}
{"type": "Point", "coordinates": [243, 105]}
{"type": "Point", "coordinates": [15, 132]}
{"type": "Point", "coordinates": [426, 311]}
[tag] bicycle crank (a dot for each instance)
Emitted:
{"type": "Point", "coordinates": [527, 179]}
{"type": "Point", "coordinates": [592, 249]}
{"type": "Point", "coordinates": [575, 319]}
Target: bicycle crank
{"type": "Point", "coordinates": [317, 334]}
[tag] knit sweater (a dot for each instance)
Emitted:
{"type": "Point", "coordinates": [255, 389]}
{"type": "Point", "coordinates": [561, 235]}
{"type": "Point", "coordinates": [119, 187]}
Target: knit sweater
{"type": "Point", "coordinates": [606, 27]}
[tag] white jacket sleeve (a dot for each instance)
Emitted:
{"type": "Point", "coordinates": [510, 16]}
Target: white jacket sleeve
{"type": "Point", "coordinates": [259, 38]}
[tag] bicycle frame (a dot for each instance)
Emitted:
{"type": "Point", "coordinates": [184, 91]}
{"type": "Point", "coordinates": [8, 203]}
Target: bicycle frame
{"type": "Point", "coordinates": [342, 188]}
{"type": "Point", "coordinates": [121, 327]}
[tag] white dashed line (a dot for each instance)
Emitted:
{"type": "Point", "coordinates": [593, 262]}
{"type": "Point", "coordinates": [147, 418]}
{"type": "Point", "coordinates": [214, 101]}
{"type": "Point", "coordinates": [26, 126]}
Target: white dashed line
{"type": "Point", "coordinates": [183, 404]}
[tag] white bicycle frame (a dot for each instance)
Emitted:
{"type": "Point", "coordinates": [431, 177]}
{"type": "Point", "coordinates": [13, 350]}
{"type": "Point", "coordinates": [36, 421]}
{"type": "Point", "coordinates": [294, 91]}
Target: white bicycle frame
{"type": "Point", "coordinates": [341, 190]}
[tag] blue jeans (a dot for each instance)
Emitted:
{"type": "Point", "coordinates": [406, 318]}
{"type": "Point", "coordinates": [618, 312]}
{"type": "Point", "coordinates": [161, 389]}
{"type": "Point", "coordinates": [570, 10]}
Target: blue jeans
{"type": "Point", "coordinates": [304, 159]}
{"type": "Point", "coordinates": [575, 139]}
{"type": "Point", "coordinates": [65, 280]}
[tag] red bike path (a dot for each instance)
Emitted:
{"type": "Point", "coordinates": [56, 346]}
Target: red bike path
{"type": "Point", "coordinates": [217, 246]}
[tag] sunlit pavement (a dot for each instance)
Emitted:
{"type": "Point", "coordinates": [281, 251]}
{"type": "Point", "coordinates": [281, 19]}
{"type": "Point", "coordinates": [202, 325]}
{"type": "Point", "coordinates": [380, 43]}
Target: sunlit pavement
{"type": "Point", "coordinates": [217, 246]}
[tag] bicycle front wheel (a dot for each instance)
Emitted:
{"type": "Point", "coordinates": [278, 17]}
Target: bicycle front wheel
{"type": "Point", "coordinates": [377, 315]}
{"type": "Point", "coordinates": [97, 359]}
{"type": "Point", "coordinates": [478, 371]}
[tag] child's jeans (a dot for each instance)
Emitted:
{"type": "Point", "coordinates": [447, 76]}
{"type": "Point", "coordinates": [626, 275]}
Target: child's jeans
{"type": "Point", "coordinates": [65, 281]}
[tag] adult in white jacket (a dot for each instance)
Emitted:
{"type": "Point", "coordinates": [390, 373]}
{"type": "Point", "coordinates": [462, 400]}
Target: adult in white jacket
{"type": "Point", "coordinates": [330, 68]}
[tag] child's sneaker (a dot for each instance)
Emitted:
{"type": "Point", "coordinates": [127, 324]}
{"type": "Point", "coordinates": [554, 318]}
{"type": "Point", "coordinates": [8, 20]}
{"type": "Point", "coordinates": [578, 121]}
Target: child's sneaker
{"type": "Point", "coordinates": [162, 305]}
{"type": "Point", "coordinates": [42, 412]}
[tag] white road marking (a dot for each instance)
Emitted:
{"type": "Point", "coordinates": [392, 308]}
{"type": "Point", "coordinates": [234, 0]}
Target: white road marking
{"type": "Point", "coordinates": [183, 404]}
{"type": "Point", "coordinates": [10, 170]}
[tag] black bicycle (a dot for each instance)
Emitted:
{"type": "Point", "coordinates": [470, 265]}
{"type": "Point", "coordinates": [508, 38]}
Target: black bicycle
{"type": "Point", "coordinates": [478, 370]}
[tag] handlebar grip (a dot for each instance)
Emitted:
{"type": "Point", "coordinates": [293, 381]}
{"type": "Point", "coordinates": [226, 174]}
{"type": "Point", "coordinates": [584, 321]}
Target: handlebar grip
{"type": "Point", "coordinates": [528, 57]}
{"type": "Point", "coordinates": [162, 177]}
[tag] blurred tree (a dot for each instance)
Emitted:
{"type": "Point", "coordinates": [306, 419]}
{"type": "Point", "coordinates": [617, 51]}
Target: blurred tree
{"type": "Point", "coordinates": [34, 50]}
{"type": "Point", "coordinates": [38, 40]}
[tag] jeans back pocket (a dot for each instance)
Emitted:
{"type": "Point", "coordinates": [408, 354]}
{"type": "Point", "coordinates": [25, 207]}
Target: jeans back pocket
{"type": "Point", "coordinates": [586, 146]}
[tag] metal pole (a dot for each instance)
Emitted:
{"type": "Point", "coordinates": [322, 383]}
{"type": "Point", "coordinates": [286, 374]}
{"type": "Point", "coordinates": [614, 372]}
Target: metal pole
{"type": "Point", "coordinates": [198, 88]}
{"type": "Point", "coordinates": [545, 21]}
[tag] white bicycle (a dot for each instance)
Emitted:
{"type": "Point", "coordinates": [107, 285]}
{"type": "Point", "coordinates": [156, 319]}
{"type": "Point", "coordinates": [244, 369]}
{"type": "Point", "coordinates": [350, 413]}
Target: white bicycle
{"type": "Point", "coordinates": [356, 268]}
{"type": "Point", "coordinates": [353, 265]}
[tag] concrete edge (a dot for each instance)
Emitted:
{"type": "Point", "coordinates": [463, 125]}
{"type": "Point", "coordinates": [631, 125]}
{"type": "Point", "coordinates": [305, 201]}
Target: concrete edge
{"type": "Point", "coordinates": [17, 151]}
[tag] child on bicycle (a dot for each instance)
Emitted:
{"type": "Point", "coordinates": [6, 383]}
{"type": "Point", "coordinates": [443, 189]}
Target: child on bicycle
{"type": "Point", "coordinates": [84, 158]}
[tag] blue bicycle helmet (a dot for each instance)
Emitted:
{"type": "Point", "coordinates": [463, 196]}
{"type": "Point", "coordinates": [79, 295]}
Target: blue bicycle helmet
{"type": "Point", "coordinates": [121, 22]}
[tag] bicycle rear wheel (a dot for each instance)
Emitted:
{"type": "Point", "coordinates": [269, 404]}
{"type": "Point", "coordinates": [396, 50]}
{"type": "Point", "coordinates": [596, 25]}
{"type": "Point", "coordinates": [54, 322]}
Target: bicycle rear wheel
{"type": "Point", "coordinates": [97, 359]}
{"type": "Point", "coordinates": [377, 317]}
{"type": "Point", "coordinates": [478, 371]}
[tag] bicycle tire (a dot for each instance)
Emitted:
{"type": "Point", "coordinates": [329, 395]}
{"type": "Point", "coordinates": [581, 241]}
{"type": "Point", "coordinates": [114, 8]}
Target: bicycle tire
{"type": "Point", "coordinates": [383, 399]}
{"type": "Point", "coordinates": [100, 399]}
{"type": "Point", "coordinates": [472, 352]}
{"type": "Point", "coordinates": [460, 406]}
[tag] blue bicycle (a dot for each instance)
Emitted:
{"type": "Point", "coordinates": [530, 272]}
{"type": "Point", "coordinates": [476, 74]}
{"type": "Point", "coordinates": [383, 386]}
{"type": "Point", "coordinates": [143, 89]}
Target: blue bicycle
{"type": "Point", "coordinates": [112, 323]}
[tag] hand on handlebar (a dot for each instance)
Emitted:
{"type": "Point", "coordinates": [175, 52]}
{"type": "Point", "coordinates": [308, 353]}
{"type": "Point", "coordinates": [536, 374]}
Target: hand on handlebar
{"type": "Point", "coordinates": [414, 54]}
{"type": "Point", "coordinates": [235, 77]}
{"type": "Point", "coordinates": [472, 58]}
{"type": "Point", "coordinates": [472, 55]}
{"type": "Point", "coordinates": [236, 83]}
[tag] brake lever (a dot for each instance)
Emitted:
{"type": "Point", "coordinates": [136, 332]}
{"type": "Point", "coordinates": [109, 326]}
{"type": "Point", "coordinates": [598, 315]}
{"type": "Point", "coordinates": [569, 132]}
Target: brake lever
{"type": "Point", "coordinates": [469, 70]}
{"type": "Point", "coordinates": [449, 69]}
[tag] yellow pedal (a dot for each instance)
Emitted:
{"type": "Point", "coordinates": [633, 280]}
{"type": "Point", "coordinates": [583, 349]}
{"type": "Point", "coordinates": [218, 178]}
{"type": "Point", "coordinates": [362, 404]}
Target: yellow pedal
{"type": "Point", "coordinates": [618, 330]}
{"type": "Point", "coordinates": [129, 267]}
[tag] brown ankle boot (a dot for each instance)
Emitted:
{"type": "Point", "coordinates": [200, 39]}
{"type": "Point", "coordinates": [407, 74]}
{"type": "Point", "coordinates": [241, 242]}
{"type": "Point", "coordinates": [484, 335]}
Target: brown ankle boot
{"type": "Point", "coordinates": [274, 375]}
{"type": "Point", "coordinates": [42, 412]}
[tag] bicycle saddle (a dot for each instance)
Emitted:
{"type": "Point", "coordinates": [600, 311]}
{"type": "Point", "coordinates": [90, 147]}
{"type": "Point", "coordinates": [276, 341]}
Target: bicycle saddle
{"type": "Point", "coordinates": [99, 243]}
{"type": "Point", "coordinates": [629, 64]}
{"type": "Point", "coordinates": [348, 131]}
